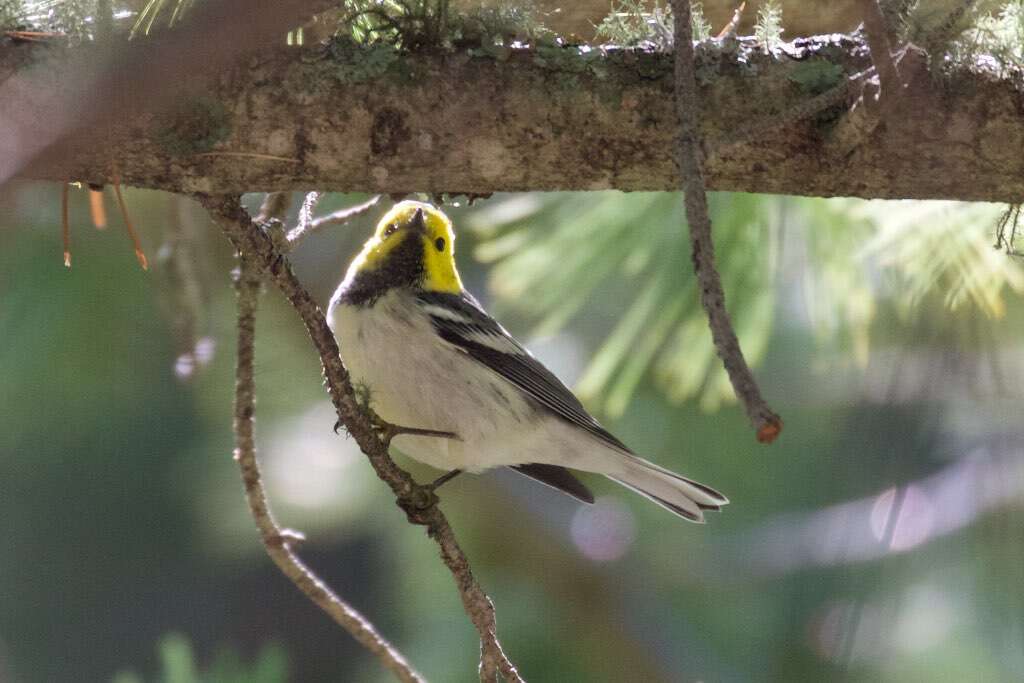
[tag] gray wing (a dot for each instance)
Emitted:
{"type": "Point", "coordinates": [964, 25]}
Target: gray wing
{"type": "Point", "coordinates": [462, 322]}
{"type": "Point", "coordinates": [557, 478]}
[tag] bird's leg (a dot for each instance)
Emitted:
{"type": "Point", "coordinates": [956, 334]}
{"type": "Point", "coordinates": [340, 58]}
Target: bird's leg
{"type": "Point", "coordinates": [387, 431]}
{"type": "Point", "coordinates": [424, 496]}
{"type": "Point", "coordinates": [443, 479]}
{"type": "Point", "coordinates": [420, 497]}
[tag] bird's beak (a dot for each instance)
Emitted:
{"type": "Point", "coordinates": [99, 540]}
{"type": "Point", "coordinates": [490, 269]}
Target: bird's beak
{"type": "Point", "coordinates": [418, 223]}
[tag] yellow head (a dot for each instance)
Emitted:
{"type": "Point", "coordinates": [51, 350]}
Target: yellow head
{"type": "Point", "coordinates": [413, 247]}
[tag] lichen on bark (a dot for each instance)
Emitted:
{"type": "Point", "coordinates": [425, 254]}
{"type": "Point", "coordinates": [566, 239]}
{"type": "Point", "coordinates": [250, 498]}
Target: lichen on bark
{"type": "Point", "coordinates": [370, 118]}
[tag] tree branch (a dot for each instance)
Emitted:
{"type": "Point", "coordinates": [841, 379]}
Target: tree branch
{"type": "Point", "coordinates": [712, 296]}
{"type": "Point", "coordinates": [104, 86]}
{"type": "Point", "coordinates": [340, 118]}
{"type": "Point", "coordinates": [278, 543]}
{"type": "Point", "coordinates": [254, 243]}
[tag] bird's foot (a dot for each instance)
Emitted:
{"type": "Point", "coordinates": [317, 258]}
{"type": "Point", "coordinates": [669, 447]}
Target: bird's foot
{"type": "Point", "coordinates": [416, 504]}
{"type": "Point", "coordinates": [443, 479]}
{"type": "Point", "coordinates": [422, 497]}
{"type": "Point", "coordinates": [363, 400]}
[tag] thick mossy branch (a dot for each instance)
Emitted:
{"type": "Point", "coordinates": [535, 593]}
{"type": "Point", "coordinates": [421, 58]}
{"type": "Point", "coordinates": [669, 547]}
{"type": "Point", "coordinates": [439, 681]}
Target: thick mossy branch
{"type": "Point", "coordinates": [347, 118]}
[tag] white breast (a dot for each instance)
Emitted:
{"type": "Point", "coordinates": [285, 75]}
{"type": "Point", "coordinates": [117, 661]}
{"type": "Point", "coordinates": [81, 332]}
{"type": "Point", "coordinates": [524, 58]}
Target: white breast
{"type": "Point", "coordinates": [418, 380]}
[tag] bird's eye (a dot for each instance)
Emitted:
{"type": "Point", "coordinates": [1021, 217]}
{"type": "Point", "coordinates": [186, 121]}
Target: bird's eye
{"type": "Point", "coordinates": [390, 230]}
{"type": "Point", "coordinates": [439, 243]}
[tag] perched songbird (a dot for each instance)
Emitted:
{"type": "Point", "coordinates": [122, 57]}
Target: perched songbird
{"type": "Point", "coordinates": [432, 358]}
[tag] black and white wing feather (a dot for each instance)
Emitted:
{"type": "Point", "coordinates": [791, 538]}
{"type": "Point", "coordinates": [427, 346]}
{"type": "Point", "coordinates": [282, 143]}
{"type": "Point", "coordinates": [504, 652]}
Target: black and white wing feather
{"type": "Point", "coordinates": [461, 321]}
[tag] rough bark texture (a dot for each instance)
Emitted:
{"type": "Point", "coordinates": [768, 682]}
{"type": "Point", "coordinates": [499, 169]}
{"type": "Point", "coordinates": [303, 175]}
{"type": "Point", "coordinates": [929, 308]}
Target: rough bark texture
{"type": "Point", "coordinates": [51, 105]}
{"type": "Point", "coordinates": [341, 118]}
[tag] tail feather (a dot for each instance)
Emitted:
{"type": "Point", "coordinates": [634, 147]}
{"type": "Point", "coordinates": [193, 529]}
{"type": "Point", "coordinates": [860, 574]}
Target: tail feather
{"type": "Point", "coordinates": [682, 496]}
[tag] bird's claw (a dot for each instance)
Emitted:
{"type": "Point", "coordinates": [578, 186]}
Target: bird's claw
{"type": "Point", "coordinates": [385, 431]}
{"type": "Point", "coordinates": [419, 500]}
{"type": "Point", "coordinates": [443, 479]}
{"type": "Point", "coordinates": [422, 497]}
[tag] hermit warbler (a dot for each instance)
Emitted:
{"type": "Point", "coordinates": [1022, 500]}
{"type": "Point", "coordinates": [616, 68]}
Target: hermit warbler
{"type": "Point", "coordinates": [432, 358]}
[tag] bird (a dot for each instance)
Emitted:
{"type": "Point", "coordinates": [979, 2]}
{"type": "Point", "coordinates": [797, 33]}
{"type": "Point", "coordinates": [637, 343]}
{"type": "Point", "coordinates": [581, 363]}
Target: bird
{"type": "Point", "coordinates": [433, 359]}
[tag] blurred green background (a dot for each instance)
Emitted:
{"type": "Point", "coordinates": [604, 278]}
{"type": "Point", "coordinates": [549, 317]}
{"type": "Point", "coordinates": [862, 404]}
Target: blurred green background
{"type": "Point", "coordinates": [879, 539]}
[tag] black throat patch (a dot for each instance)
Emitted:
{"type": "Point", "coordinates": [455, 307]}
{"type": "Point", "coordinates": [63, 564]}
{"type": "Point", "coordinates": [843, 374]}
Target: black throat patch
{"type": "Point", "coordinates": [402, 267]}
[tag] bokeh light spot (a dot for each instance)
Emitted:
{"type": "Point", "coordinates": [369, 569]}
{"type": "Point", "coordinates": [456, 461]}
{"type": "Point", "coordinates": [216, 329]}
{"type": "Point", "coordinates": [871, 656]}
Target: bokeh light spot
{"type": "Point", "coordinates": [909, 525]}
{"type": "Point", "coordinates": [603, 531]}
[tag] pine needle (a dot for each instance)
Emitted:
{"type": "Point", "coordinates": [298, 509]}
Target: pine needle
{"type": "Point", "coordinates": [139, 254]}
{"type": "Point", "coordinates": [96, 209]}
{"type": "Point", "coordinates": [65, 225]}
{"type": "Point", "coordinates": [251, 155]}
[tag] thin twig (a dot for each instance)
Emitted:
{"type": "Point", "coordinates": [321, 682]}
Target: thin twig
{"type": "Point", "coordinates": [139, 254]}
{"type": "Point", "coordinates": [1009, 221]}
{"type": "Point", "coordinates": [259, 246]}
{"type": "Point", "coordinates": [309, 204]}
{"type": "Point", "coordinates": [881, 53]}
{"type": "Point", "coordinates": [765, 421]}
{"type": "Point", "coordinates": [278, 543]}
{"type": "Point", "coordinates": [250, 155]}
{"type": "Point", "coordinates": [729, 30]}
{"type": "Point", "coordinates": [309, 225]}
{"type": "Point", "coordinates": [65, 224]}
{"type": "Point", "coordinates": [96, 208]}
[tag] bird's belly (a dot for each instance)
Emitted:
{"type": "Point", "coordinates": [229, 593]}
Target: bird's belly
{"type": "Point", "coordinates": [417, 380]}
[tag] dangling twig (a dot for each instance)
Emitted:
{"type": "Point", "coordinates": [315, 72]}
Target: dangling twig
{"type": "Point", "coordinates": [765, 421]}
{"type": "Point", "coordinates": [96, 208]}
{"type": "Point", "coordinates": [139, 254]}
{"type": "Point", "coordinates": [65, 224]}
{"type": "Point", "coordinates": [277, 542]}
{"type": "Point", "coordinates": [1008, 223]}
